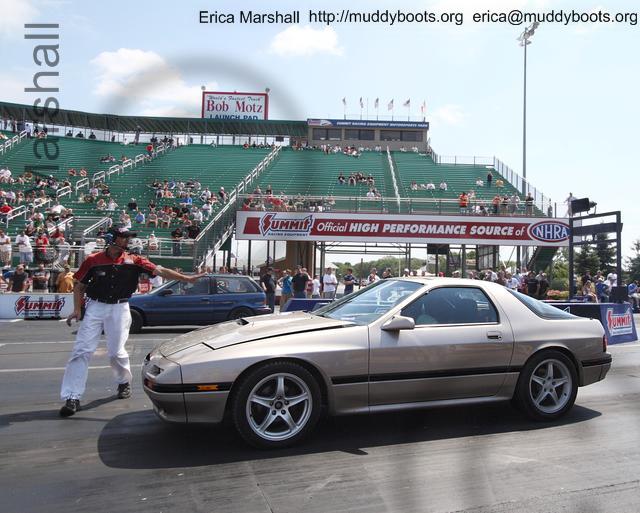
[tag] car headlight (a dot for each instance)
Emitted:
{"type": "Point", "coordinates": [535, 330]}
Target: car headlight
{"type": "Point", "coordinates": [154, 370]}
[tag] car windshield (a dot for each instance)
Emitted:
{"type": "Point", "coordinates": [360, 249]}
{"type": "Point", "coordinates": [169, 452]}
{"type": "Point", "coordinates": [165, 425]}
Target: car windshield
{"type": "Point", "coordinates": [370, 303]}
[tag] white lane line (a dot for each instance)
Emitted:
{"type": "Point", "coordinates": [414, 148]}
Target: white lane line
{"type": "Point", "coordinates": [2, 345]}
{"type": "Point", "coordinates": [39, 369]}
{"type": "Point", "coordinates": [11, 320]}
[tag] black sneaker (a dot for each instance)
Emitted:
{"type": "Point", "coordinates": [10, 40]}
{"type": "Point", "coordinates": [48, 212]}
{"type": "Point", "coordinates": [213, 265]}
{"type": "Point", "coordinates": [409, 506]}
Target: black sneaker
{"type": "Point", "coordinates": [70, 407]}
{"type": "Point", "coordinates": [124, 391]}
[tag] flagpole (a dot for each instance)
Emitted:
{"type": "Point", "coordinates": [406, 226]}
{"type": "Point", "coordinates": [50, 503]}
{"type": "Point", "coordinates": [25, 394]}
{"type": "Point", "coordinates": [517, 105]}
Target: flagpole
{"type": "Point", "coordinates": [367, 107]}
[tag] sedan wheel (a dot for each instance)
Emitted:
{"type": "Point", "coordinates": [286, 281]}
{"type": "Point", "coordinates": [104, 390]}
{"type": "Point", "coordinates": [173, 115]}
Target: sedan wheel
{"type": "Point", "coordinates": [277, 405]}
{"type": "Point", "coordinates": [239, 313]}
{"type": "Point", "coordinates": [548, 386]}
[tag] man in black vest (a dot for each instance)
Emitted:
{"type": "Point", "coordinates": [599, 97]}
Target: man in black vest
{"type": "Point", "coordinates": [108, 279]}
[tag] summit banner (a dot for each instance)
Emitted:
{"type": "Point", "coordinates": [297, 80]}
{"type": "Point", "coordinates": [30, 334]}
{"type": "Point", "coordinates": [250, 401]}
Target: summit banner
{"type": "Point", "coordinates": [337, 227]}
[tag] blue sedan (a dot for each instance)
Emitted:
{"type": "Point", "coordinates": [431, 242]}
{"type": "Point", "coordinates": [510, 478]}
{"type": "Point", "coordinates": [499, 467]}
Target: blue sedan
{"type": "Point", "coordinates": [213, 298]}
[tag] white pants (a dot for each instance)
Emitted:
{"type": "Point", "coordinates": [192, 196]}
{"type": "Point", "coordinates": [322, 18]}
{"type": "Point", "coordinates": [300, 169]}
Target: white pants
{"type": "Point", "coordinates": [115, 320]}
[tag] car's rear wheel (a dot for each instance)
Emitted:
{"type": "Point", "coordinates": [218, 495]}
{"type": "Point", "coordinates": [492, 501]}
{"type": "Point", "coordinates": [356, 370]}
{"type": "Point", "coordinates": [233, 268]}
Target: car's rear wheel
{"type": "Point", "coordinates": [238, 313]}
{"type": "Point", "coordinates": [136, 322]}
{"type": "Point", "coordinates": [547, 386]}
{"type": "Point", "coordinates": [276, 405]}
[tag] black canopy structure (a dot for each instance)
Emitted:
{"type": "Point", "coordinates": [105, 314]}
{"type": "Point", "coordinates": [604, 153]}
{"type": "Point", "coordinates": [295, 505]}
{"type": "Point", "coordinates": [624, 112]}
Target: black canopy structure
{"type": "Point", "coordinates": [117, 123]}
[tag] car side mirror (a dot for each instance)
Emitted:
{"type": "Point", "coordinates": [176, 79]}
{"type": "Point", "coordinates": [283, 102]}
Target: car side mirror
{"type": "Point", "coordinates": [166, 292]}
{"type": "Point", "coordinates": [398, 323]}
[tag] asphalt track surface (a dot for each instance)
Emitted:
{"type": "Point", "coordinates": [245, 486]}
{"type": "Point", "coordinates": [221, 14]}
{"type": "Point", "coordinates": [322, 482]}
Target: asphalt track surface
{"type": "Point", "coordinates": [115, 456]}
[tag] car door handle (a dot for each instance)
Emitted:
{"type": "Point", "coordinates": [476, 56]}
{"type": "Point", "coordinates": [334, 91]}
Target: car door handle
{"type": "Point", "coordinates": [494, 335]}
{"type": "Point", "coordinates": [206, 300]}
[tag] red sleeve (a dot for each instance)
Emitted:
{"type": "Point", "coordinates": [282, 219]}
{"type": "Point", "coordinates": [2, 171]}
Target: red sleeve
{"type": "Point", "coordinates": [145, 264]}
{"type": "Point", "coordinates": [82, 274]}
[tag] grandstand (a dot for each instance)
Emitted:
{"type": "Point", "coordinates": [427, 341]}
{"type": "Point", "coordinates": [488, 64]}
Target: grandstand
{"type": "Point", "coordinates": [421, 169]}
{"type": "Point", "coordinates": [297, 170]}
{"type": "Point", "coordinates": [314, 173]}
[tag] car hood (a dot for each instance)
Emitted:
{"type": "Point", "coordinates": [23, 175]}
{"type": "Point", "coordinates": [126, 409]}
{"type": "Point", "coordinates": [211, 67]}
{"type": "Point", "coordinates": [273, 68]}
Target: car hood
{"type": "Point", "coordinates": [251, 328]}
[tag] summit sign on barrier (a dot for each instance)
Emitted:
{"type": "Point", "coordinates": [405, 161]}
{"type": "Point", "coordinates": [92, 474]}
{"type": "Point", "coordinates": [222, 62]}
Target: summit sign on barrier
{"type": "Point", "coordinates": [516, 231]}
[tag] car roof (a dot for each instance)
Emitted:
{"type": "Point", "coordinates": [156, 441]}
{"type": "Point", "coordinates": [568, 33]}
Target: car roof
{"type": "Point", "coordinates": [433, 281]}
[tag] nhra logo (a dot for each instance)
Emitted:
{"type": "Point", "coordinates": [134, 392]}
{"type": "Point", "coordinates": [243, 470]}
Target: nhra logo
{"type": "Point", "coordinates": [270, 224]}
{"type": "Point", "coordinates": [619, 324]}
{"type": "Point", "coordinates": [549, 231]}
{"type": "Point", "coordinates": [24, 305]}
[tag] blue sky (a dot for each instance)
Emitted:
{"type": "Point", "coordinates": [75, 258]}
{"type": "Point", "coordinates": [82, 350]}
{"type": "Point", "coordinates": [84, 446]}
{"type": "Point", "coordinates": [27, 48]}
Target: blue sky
{"type": "Point", "coordinates": [151, 58]}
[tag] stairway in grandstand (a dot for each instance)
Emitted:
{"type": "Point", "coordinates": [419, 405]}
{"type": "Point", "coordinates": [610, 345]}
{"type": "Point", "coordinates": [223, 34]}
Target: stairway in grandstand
{"type": "Point", "coordinates": [542, 258]}
{"type": "Point", "coordinates": [315, 173]}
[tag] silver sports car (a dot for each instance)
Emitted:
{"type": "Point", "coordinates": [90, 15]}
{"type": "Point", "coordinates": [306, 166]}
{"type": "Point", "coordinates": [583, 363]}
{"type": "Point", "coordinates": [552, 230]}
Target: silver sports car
{"type": "Point", "coordinates": [397, 344]}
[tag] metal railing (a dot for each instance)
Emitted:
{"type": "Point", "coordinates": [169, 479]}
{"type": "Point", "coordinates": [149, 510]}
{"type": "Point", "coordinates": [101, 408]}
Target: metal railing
{"type": "Point", "coordinates": [544, 203]}
{"type": "Point", "coordinates": [80, 184]}
{"type": "Point", "coordinates": [16, 212]}
{"type": "Point", "coordinates": [463, 160]}
{"type": "Point", "coordinates": [353, 204]}
{"type": "Point", "coordinates": [63, 191]}
{"type": "Point", "coordinates": [221, 226]}
{"type": "Point", "coordinates": [393, 177]}
{"type": "Point", "coordinates": [10, 143]}
{"type": "Point", "coordinates": [161, 149]}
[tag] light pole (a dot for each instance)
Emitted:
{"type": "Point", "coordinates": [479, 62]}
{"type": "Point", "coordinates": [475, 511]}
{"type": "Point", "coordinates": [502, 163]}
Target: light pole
{"type": "Point", "coordinates": [524, 39]}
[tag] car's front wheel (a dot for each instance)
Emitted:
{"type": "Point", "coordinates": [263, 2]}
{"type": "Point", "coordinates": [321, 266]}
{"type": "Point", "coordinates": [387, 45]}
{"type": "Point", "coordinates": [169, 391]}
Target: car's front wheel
{"type": "Point", "coordinates": [547, 386]}
{"type": "Point", "coordinates": [276, 405]}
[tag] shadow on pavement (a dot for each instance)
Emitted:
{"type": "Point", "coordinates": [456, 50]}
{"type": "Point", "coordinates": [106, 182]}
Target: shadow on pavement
{"type": "Point", "coordinates": [51, 414]}
{"type": "Point", "coordinates": [141, 441]}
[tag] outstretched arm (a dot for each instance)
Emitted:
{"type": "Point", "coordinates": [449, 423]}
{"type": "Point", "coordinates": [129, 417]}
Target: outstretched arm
{"type": "Point", "coordinates": [170, 274]}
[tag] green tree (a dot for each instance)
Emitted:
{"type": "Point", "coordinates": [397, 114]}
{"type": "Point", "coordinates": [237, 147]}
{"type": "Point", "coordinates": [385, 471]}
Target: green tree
{"type": "Point", "coordinates": [559, 273]}
{"type": "Point", "coordinates": [633, 263]}
{"type": "Point", "coordinates": [606, 253]}
{"type": "Point", "coordinates": [586, 260]}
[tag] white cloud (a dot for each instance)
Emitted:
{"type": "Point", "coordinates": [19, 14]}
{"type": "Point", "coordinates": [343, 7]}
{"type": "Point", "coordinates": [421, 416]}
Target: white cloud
{"type": "Point", "coordinates": [297, 41]}
{"type": "Point", "coordinates": [147, 83]}
{"type": "Point", "coordinates": [14, 14]}
{"type": "Point", "coordinates": [449, 114]}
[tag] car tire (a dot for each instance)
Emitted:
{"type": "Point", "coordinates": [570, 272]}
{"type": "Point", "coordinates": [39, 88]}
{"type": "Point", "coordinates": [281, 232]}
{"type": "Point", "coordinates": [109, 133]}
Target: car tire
{"type": "Point", "coordinates": [136, 322]}
{"type": "Point", "coordinates": [238, 313]}
{"type": "Point", "coordinates": [547, 386]}
{"type": "Point", "coordinates": [262, 408]}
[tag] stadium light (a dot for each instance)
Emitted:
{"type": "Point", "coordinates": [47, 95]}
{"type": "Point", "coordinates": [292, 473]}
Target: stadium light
{"type": "Point", "coordinates": [524, 39]}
